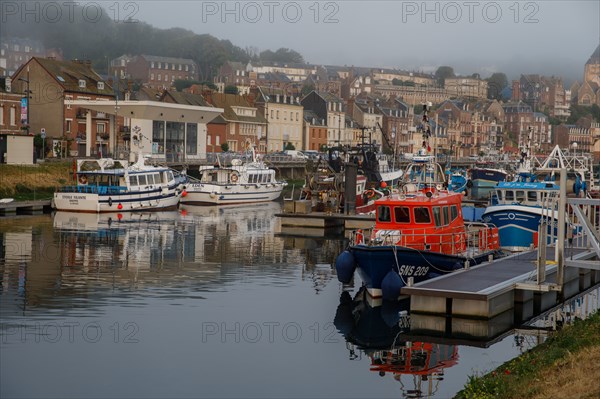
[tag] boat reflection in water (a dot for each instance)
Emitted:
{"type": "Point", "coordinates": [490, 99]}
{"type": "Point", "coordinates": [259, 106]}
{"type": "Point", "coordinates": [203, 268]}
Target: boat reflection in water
{"type": "Point", "coordinates": [375, 331]}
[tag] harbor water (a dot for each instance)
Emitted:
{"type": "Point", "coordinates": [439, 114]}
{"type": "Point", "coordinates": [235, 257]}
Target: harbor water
{"type": "Point", "coordinates": [210, 302]}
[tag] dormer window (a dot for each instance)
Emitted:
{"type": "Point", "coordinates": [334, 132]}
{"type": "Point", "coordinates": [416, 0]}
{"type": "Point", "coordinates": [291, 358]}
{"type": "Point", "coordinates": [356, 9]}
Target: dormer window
{"type": "Point", "coordinates": [100, 85]}
{"type": "Point", "coordinates": [82, 83]}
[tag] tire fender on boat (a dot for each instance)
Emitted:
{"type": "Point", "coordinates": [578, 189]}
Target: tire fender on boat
{"type": "Point", "coordinates": [110, 202]}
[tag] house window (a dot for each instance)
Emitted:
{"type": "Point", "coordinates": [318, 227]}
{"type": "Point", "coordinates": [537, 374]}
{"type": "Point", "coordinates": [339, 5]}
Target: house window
{"type": "Point", "coordinates": [172, 67]}
{"type": "Point", "coordinates": [277, 114]}
{"type": "Point", "coordinates": [13, 118]}
{"type": "Point", "coordinates": [160, 65]}
{"type": "Point", "coordinates": [1, 114]}
{"type": "Point", "coordinates": [69, 125]}
{"type": "Point", "coordinates": [172, 78]}
{"type": "Point", "coordinates": [100, 128]}
{"type": "Point", "coordinates": [187, 68]}
{"type": "Point", "coordinates": [159, 77]}
{"type": "Point", "coordinates": [158, 137]}
{"type": "Point", "coordinates": [191, 139]}
{"type": "Point", "coordinates": [152, 65]}
{"type": "Point", "coordinates": [272, 113]}
{"type": "Point", "coordinates": [180, 67]}
{"type": "Point", "coordinates": [151, 76]}
{"type": "Point", "coordinates": [82, 83]}
{"type": "Point", "coordinates": [100, 85]}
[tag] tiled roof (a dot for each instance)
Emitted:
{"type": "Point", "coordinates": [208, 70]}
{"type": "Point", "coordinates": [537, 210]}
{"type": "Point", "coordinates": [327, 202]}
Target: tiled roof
{"type": "Point", "coordinates": [330, 98]}
{"type": "Point", "coordinates": [226, 101]}
{"type": "Point", "coordinates": [310, 116]}
{"type": "Point", "coordinates": [187, 98]}
{"type": "Point", "coordinates": [68, 74]}
{"type": "Point", "coordinates": [595, 57]}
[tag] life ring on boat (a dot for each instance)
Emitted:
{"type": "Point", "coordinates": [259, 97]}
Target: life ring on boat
{"type": "Point", "coordinates": [370, 193]}
{"type": "Point", "coordinates": [83, 179]}
{"type": "Point", "coordinates": [234, 177]}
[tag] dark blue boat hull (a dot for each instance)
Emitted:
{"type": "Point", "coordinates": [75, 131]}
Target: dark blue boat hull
{"type": "Point", "coordinates": [374, 263]}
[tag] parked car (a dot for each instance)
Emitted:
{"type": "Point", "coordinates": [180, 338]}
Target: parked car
{"type": "Point", "coordinates": [312, 154]}
{"type": "Point", "coordinates": [296, 154]}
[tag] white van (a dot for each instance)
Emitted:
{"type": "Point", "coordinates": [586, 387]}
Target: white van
{"type": "Point", "coordinates": [296, 154]}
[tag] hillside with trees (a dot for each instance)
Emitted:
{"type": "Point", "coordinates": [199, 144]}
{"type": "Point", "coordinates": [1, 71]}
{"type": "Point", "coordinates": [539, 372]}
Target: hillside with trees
{"type": "Point", "coordinates": [103, 39]}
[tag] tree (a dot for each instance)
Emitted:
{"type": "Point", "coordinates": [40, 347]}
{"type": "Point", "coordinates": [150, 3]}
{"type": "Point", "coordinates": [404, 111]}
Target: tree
{"type": "Point", "coordinates": [289, 146]}
{"type": "Point", "coordinates": [443, 73]}
{"type": "Point", "coordinates": [231, 90]}
{"type": "Point", "coordinates": [282, 55]}
{"type": "Point", "coordinates": [496, 83]}
{"type": "Point", "coordinates": [224, 147]}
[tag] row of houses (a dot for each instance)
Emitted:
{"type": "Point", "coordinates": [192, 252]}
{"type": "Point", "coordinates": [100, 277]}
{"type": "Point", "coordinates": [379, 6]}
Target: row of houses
{"type": "Point", "coordinates": [269, 118]}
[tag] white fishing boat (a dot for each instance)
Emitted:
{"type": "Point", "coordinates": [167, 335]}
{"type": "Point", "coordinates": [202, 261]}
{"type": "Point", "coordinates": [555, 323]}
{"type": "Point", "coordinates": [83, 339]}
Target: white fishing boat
{"type": "Point", "coordinates": [108, 185]}
{"type": "Point", "coordinates": [236, 184]}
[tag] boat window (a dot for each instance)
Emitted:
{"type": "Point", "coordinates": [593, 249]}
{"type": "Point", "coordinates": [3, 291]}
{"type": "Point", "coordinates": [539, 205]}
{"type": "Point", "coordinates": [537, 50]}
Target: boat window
{"type": "Point", "coordinates": [422, 215]}
{"type": "Point", "coordinates": [157, 179]}
{"type": "Point", "coordinates": [384, 214]}
{"type": "Point", "coordinates": [454, 212]}
{"type": "Point", "coordinates": [509, 195]}
{"type": "Point", "coordinates": [446, 216]}
{"type": "Point", "coordinates": [436, 216]}
{"type": "Point", "coordinates": [213, 177]}
{"type": "Point", "coordinates": [133, 180]}
{"type": "Point", "coordinates": [520, 195]}
{"type": "Point", "coordinates": [142, 180]}
{"type": "Point", "coordinates": [402, 214]}
{"type": "Point", "coordinates": [150, 179]}
{"type": "Point", "coordinates": [170, 175]}
{"type": "Point", "coordinates": [532, 196]}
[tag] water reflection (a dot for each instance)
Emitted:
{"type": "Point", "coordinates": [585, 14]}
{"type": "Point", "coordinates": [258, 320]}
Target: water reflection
{"type": "Point", "coordinates": [373, 329]}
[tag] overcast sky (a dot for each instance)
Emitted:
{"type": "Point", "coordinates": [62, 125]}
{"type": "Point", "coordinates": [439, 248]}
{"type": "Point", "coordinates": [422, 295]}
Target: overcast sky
{"type": "Point", "coordinates": [550, 37]}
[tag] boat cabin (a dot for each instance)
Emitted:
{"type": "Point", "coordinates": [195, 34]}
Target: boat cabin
{"type": "Point", "coordinates": [529, 194]}
{"type": "Point", "coordinates": [423, 221]}
{"type": "Point", "coordinates": [246, 175]}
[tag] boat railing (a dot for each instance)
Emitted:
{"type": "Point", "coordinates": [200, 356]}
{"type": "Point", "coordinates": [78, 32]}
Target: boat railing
{"type": "Point", "coordinates": [89, 189]}
{"type": "Point", "coordinates": [470, 239]}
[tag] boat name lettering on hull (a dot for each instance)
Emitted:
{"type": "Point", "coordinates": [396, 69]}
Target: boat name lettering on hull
{"type": "Point", "coordinates": [415, 271]}
{"type": "Point", "coordinates": [73, 197]}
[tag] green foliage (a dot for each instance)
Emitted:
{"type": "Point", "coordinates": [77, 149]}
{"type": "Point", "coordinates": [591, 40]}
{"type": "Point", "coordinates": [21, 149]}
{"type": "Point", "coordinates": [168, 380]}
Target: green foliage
{"type": "Point", "coordinates": [398, 82]}
{"type": "Point", "coordinates": [224, 147]}
{"type": "Point", "coordinates": [231, 90]}
{"type": "Point", "coordinates": [282, 55]}
{"type": "Point", "coordinates": [579, 111]}
{"type": "Point", "coordinates": [496, 83]}
{"type": "Point", "coordinates": [109, 36]}
{"type": "Point", "coordinates": [289, 146]}
{"type": "Point", "coordinates": [442, 73]}
{"type": "Point", "coordinates": [514, 378]}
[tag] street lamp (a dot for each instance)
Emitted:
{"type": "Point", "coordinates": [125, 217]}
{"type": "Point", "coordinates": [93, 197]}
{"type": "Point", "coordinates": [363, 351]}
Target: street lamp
{"type": "Point", "coordinates": [574, 146]}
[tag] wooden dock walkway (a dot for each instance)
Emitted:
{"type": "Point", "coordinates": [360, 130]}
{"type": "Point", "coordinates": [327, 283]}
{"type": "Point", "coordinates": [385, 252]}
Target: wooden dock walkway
{"type": "Point", "coordinates": [25, 207]}
{"type": "Point", "coordinates": [489, 289]}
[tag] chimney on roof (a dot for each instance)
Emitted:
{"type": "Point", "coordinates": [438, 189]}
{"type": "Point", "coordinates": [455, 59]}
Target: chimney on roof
{"type": "Point", "coordinates": [207, 94]}
{"type": "Point", "coordinates": [250, 98]}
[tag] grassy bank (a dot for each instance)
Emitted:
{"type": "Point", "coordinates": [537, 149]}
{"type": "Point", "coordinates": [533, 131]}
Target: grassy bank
{"type": "Point", "coordinates": [34, 182]}
{"type": "Point", "coordinates": [565, 366]}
